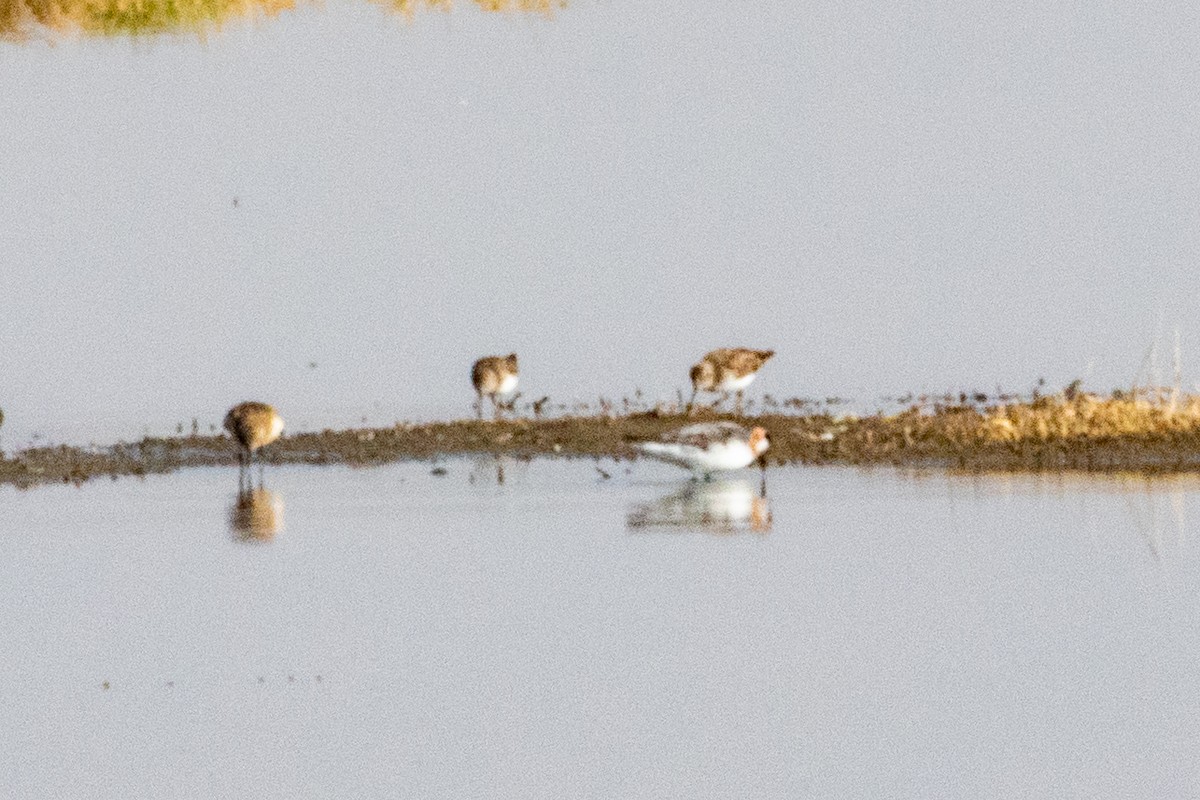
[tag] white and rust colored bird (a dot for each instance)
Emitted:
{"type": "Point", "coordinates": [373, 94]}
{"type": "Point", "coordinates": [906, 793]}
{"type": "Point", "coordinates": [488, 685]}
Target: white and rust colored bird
{"type": "Point", "coordinates": [709, 447]}
{"type": "Point", "coordinates": [494, 376]}
{"type": "Point", "coordinates": [729, 369]}
{"type": "Point", "coordinates": [254, 426]}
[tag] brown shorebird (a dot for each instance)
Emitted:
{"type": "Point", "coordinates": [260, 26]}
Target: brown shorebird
{"type": "Point", "coordinates": [726, 370]}
{"type": "Point", "coordinates": [253, 425]}
{"type": "Point", "coordinates": [492, 376]}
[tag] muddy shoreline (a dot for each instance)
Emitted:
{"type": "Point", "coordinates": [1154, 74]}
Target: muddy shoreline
{"type": "Point", "coordinates": [954, 439]}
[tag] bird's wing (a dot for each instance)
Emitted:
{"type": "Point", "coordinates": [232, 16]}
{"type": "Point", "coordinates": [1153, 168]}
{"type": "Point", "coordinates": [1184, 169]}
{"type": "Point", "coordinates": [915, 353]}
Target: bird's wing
{"type": "Point", "coordinates": [241, 427]}
{"type": "Point", "coordinates": [704, 434]}
{"type": "Point", "coordinates": [743, 362]}
{"type": "Point", "coordinates": [666, 451]}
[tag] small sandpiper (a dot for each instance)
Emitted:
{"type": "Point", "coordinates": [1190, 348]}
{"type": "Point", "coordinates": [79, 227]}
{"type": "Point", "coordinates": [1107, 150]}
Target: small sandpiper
{"type": "Point", "coordinates": [493, 376]}
{"type": "Point", "coordinates": [253, 425]}
{"type": "Point", "coordinates": [729, 369]}
{"type": "Point", "coordinates": [710, 447]}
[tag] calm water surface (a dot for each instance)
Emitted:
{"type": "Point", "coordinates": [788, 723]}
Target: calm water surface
{"type": "Point", "coordinates": [394, 633]}
{"type": "Point", "coordinates": [339, 210]}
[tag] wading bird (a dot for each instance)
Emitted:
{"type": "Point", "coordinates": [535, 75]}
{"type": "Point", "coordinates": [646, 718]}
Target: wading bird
{"type": "Point", "coordinates": [729, 369]}
{"type": "Point", "coordinates": [253, 425]}
{"type": "Point", "coordinates": [492, 376]}
{"type": "Point", "coordinates": [710, 447]}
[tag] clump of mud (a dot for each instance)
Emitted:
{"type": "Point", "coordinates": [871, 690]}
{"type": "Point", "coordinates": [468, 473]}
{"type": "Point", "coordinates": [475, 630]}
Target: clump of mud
{"type": "Point", "coordinates": [1075, 432]}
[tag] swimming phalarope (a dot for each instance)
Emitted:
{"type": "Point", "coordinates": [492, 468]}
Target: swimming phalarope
{"type": "Point", "coordinates": [254, 426]}
{"type": "Point", "coordinates": [492, 376]}
{"type": "Point", "coordinates": [729, 369]}
{"type": "Point", "coordinates": [709, 447]}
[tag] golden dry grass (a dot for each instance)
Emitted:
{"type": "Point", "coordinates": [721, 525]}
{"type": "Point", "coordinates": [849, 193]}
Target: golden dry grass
{"type": "Point", "coordinates": [1147, 432]}
{"type": "Point", "coordinates": [1090, 417]}
{"type": "Point", "coordinates": [20, 19]}
{"type": "Point", "coordinates": [527, 6]}
{"type": "Point", "coordinates": [1074, 424]}
{"type": "Point", "coordinates": [408, 7]}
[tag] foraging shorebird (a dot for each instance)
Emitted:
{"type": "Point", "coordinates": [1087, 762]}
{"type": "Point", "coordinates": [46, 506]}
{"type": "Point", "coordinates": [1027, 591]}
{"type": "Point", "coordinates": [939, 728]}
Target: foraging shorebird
{"type": "Point", "coordinates": [253, 425]}
{"type": "Point", "coordinates": [492, 376]}
{"type": "Point", "coordinates": [729, 369]}
{"type": "Point", "coordinates": [710, 447]}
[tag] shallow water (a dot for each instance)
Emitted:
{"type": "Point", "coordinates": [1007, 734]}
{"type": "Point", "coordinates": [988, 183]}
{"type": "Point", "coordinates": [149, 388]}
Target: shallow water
{"type": "Point", "coordinates": [391, 632]}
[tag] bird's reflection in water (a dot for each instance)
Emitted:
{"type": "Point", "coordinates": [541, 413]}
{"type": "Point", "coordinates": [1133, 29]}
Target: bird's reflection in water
{"type": "Point", "coordinates": [720, 507]}
{"type": "Point", "coordinates": [256, 515]}
{"type": "Point", "coordinates": [495, 468]}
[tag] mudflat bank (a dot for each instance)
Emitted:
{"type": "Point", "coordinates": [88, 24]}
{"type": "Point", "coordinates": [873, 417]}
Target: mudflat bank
{"type": "Point", "coordinates": [1080, 432]}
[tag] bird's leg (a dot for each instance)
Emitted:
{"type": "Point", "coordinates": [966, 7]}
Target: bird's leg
{"type": "Point", "coordinates": [762, 485]}
{"type": "Point", "coordinates": [241, 469]}
{"type": "Point", "coordinates": [495, 407]}
{"type": "Point", "coordinates": [479, 405]}
{"type": "Point", "coordinates": [687, 412]}
{"type": "Point", "coordinates": [741, 393]}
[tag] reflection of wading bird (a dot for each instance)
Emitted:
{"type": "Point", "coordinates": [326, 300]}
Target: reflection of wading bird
{"type": "Point", "coordinates": [495, 468]}
{"type": "Point", "coordinates": [491, 376]}
{"type": "Point", "coordinates": [730, 369]}
{"type": "Point", "coordinates": [256, 515]}
{"type": "Point", "coordinates": [710, 447]}
{"type": "Point", "coordinates": [253, 425]}
{"type": "Point", "coordinates": [720, 507]}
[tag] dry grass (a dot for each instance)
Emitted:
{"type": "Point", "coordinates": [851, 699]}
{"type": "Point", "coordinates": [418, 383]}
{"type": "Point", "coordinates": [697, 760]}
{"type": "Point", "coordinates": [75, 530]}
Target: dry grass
{"type": "Point", "coordinates": [22, 19]}
{"type": "Point", "coordinates": [1072, 430]}
{"type": "Point", "coordinates": [546, 7]}
{"type": "Point", "coordinates": [526, 6]}
{"type": "Point", "coordinates": [1090, 417]}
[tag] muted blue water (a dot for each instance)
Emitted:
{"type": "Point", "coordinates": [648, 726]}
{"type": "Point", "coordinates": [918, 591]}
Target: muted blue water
{"type": "Point", "coordinates": [391, 632]}
{"type": "Point", "coordinates": [907, 197]}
